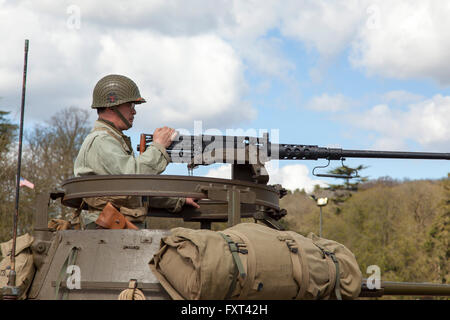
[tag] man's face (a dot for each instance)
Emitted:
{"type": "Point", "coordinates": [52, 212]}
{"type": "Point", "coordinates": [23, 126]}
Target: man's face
{"type": "Point", "coordinates": [128, 111]}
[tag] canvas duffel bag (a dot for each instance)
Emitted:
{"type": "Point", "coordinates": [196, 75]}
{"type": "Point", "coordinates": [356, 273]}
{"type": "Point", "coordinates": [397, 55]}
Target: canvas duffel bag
{"type": "Point", "coordinates": [252, 261]}
{"type": "Point", "coordinates": [24, 265]}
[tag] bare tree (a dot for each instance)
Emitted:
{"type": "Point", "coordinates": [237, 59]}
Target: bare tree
{"type": "Point", "coordinates": [52, 147]}
{"type": "Point", "coordinates": [48, 157]}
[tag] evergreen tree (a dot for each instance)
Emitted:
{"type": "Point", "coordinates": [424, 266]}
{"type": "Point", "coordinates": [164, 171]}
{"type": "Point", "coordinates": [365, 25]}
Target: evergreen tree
{"type": "Point", "coordinates": [352, 173]}
{"type": "Point", "coordinates": [344, 191]}
{"type": "Point", "coordinates": [7, 133]}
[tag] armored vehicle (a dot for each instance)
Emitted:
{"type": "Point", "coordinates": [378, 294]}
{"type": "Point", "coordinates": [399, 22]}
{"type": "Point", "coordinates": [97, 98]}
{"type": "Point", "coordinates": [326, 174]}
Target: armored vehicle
{"type": "Point", "coordinates": [110, 263]}
{"type": "Point", "coordinates": [114, 263]}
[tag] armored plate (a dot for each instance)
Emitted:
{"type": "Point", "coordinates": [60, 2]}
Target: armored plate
{"type": "Point", "coordinates": [107, 261]}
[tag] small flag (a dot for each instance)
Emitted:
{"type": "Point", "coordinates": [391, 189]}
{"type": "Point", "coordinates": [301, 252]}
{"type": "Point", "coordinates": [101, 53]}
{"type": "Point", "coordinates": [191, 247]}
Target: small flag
{"type": "Point", "coordinates": [26, 183]}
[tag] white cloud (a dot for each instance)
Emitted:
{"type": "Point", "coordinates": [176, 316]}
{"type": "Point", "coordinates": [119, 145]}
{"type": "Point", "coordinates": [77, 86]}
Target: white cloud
{"type": "Point", "coordinates": [175, 18]}
{"type": "Point", "coordinates": [410, 39]}
{"type": "Point", "coordinates": [185, 77]}
{"type": "Point", "coordinates": [401, 97]}
{"type": "Point", "coordinates": [222, 172]}
{"type": "Point", "coordinates": [331, 103]}
{"type": "Point", "coordinates": [395, 39]}
{"type": "Point", "coordinates": [426, 122]}
{"type": "Point", "coordinates": [190, 57]}
{"type": "Point", "coordinates": [248, 31]}
{"type": "Point", "coordinates": [291, 177]}
{"type": "Point", "coordinates": [265, 56]}
{"type": "Point", "coordinates": [58, 62]}
{"type": "Point", "coordinates": [327, 26]}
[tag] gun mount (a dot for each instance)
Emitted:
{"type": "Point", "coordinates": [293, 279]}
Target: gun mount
{"type": "Point", "coordinates": [222, 199]}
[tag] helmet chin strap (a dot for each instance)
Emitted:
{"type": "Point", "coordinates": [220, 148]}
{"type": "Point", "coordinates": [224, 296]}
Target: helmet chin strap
{"type": "Point", "coordinates": [125, 121]}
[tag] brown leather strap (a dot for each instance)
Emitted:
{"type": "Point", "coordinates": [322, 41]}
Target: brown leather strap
{"type": "Point", "coordinates": [120, 115]}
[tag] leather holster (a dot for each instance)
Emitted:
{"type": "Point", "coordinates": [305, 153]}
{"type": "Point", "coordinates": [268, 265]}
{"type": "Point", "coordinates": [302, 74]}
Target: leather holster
{"type": "Point", "coordinates": [59, 224]}
{"type": "Point", "coordinates": [111, 218]}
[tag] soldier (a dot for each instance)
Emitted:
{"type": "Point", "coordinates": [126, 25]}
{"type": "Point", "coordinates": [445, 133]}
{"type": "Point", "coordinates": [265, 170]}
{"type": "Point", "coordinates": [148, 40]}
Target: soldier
{"type": "Point", "coordinates": [106, 150]}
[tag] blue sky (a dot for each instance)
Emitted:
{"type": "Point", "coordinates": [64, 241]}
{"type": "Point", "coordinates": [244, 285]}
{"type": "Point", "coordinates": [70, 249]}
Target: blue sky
{"type": "Point", "coordinates": [350, 74]}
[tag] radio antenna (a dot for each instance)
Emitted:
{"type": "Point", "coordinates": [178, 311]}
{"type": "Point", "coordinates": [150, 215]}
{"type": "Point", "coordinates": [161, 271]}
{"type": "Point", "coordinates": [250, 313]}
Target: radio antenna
{"type": "Point", "coordinates": [12, 275]}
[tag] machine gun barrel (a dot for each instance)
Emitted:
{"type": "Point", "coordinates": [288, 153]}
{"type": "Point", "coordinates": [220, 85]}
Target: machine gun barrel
{"type": "Point", "coordinates": [312, 152]}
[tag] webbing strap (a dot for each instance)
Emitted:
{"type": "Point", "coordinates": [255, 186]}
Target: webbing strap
{"type": "Point", "coordinates": [70, 260]}
{"type": "Point", "coordinates": [332, 275]}
{"type": "Point", "coordinates": [249, 281]}
{"type": "Point", "coordinates": [78, 210]}
{"type": "Point", "coordinates": [299, 267]}
{"type": "Point", "coordinates": [337, 287]}
{"type": "Point", "coordinates": [234, 252]}
{"type": "Point", "coordinates": [233, 283]}
{"type": "Point", "coordinates": [296, 267]}
{"type": "Point", "coordinates": [239, 268]}
{"type": "Point", "coordinates": [337, 281]}
{"type": "Point", "coordinates": [125, 121]}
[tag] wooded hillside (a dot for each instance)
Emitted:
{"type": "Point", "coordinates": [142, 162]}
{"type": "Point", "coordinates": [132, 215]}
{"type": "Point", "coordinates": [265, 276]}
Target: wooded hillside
{"type": "Point", "coordinates": [403, 227]}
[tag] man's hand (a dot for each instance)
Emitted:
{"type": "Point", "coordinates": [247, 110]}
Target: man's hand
{"type": "Point", "coordinates": [191, 202]}
{"type": "Point", "coordinates": [164, 136]}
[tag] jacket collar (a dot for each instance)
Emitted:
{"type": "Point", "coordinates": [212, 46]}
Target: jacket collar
{"type": "Point", "coordinates": [101, 123]}
{"type": "Point", "coordinates": [108, 124]}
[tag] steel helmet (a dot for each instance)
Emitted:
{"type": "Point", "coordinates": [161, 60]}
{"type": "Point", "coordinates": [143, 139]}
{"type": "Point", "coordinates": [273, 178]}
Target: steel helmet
{"type": "Point", "coordinates": [113, 90]}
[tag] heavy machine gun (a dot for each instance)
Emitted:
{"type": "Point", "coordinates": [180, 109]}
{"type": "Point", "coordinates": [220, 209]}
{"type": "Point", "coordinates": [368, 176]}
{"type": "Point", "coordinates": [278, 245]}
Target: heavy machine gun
{"type": "Point", "coordinates": [248, 154]}
{"type": "Point", "coordinates": [201, 148]}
